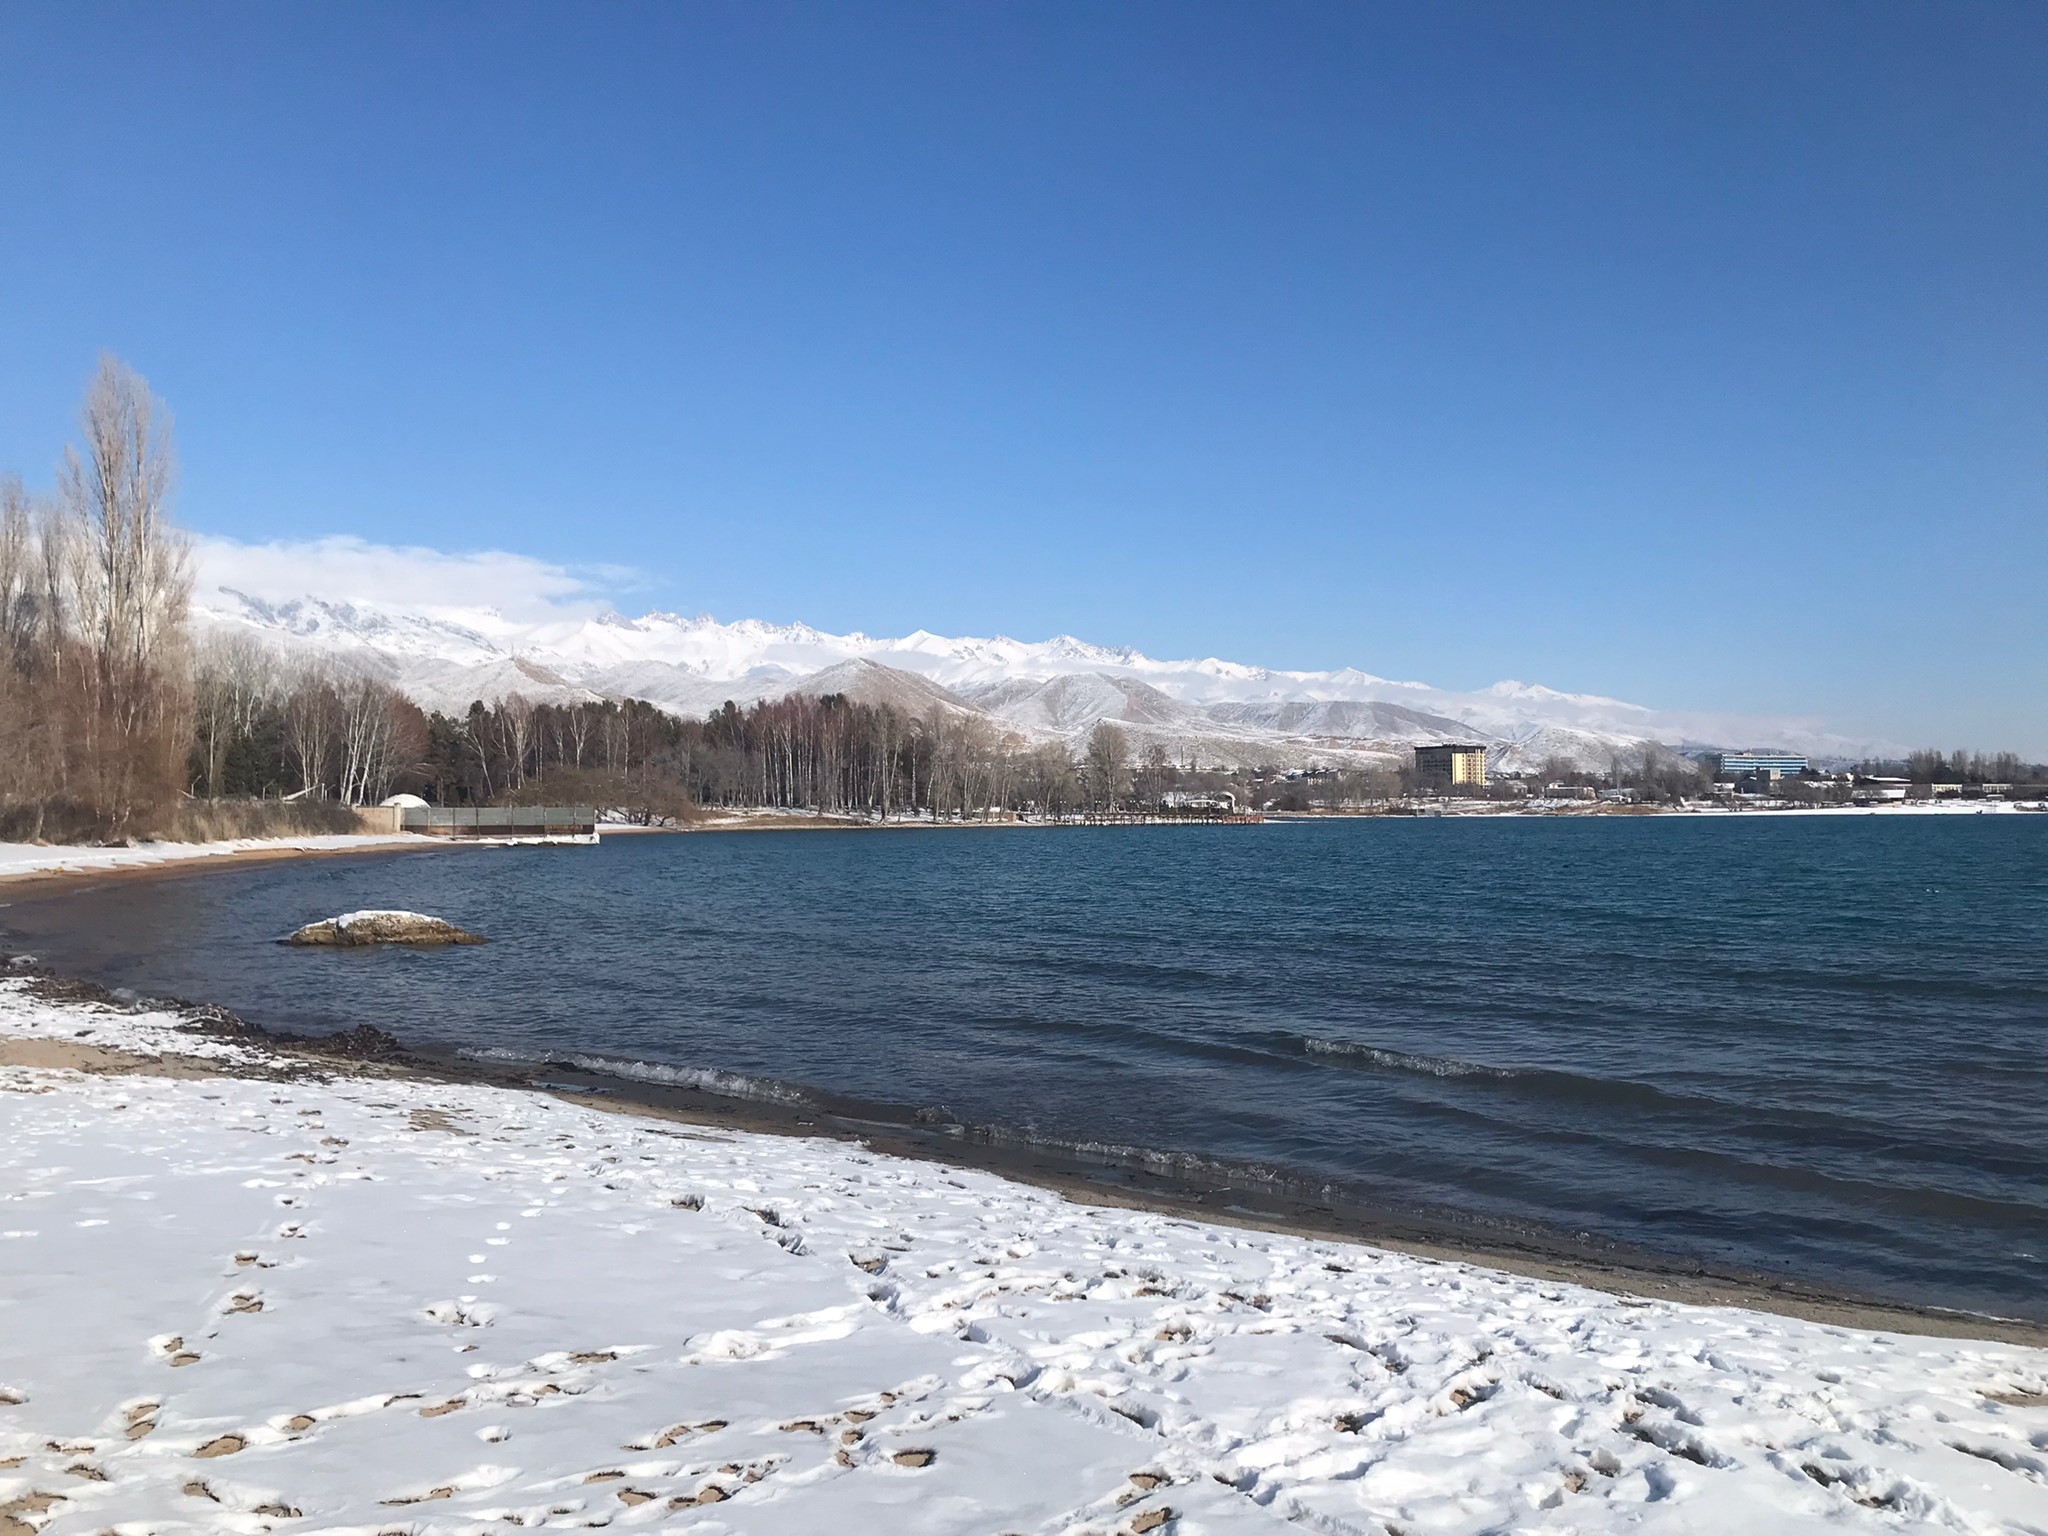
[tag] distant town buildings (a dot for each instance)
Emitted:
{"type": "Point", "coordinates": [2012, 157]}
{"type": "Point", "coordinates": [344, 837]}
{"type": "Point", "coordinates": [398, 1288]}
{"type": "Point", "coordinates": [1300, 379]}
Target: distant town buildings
{"type": "Point", "coordinates": [1450, 766]}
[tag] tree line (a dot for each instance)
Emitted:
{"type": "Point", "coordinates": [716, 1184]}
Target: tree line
{"type": "Point", "coordinates": [268, 726]}
{"type": "Point", "coordinates": [95, 685]}
{"type": "Point", "coordinates": [827, 754]}
{"type": "Point", "coordinates": [116, 722]}
{"type": "Point", "coordinates": [1933, 766]}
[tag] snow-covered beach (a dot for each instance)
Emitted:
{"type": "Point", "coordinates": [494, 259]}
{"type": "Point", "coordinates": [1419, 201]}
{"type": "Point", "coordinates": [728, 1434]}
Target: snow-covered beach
{"type": "Point", "coordinates": [41, 861]}
{"type": "Point", "coordinates": [241, 1293]}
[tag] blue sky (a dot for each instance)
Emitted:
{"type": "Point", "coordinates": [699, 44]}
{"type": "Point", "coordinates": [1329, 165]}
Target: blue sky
{"type": "Point", "coordinates": [1693, 354]}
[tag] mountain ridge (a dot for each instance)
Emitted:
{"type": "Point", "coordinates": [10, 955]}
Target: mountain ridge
{"type": "Point", "coordinates": [1057, 689]}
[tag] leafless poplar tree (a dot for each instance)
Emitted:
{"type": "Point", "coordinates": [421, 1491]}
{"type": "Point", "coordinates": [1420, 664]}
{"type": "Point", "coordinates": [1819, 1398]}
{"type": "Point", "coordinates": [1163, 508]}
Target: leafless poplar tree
{"type": "Point", "coordinates": [514, 719]}
{"type": "Point", "coordinates": [369, 718]}
{"type": "Point", "coordinates": [130, 579]}
{"type": "Point", "coordinates": [235, 677]}
{"type": "Point", "coordinates": [1108, 765]}
{"type": "Point", "coordinates": [312, 726]}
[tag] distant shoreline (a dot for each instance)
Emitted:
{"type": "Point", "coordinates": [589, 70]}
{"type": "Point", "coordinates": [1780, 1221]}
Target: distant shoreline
{"type": "Point", "coordinates": [54, 868]}
{"type": "Point", "coordinates": [1719, 812]}
{"type": "Point", "coordinates": [773, 820]}
{"type": "Point", "coordinates": [68, 868]}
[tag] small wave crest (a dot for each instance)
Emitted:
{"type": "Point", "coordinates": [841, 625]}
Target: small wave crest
{"type": "Point", "coordinates": [731, 1085]}
{"type": "Point", "coordinates": [1403, 1061]}
{"type": "Point", "coordinates": [1189, 1168]}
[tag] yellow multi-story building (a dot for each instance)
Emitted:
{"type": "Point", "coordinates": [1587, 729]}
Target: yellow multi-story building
{"type": "Point", "coordinates": [1450, 766]}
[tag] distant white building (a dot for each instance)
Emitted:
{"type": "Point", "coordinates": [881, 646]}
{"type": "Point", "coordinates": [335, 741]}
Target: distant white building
{"type": "Point", "coordinates": [1758, 765]}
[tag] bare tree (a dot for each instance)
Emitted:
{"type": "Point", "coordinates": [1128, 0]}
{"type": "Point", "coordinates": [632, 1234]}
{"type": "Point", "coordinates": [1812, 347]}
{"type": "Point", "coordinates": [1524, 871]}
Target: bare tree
{"type": "Point", "coordinates": [1155, 772]}
{"type": "Point", "coordinates": [515, 723]}
{"type": "Point", "coordinates": [235, 677]}
{"type": "Point", "coordinates": [17, 568]}
{"type": "Point", "coordinates": [974, 750]}
{"type": "Point", "coordinates": [1107, 765]}
{"type": "Point", "coordinates": [577, 729]}
{"type": "Point", "coordinates": [370, 721]}
{"type": "Point", "coordinates": [312, 726]}
{"type": "Point", "coordinates": [130, 582]}
{"type": "Point", "coordinates": [20, 743]}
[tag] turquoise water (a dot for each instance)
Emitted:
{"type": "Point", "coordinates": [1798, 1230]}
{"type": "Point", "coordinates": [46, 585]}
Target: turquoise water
{"type": "Point", "coordinates": [1811, 1046]}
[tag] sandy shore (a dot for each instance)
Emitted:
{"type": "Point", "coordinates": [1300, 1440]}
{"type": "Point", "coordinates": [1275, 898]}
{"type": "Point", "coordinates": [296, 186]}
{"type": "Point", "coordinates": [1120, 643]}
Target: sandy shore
{"type": "Point", "coordinates": [31, 868]}
{"type": "Point", "coordinates": [244, 1288]}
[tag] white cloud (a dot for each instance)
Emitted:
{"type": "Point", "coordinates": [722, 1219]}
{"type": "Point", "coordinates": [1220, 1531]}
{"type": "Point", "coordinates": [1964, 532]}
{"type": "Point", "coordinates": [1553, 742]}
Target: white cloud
{"type": "Point", "coordinates": [433, 582]}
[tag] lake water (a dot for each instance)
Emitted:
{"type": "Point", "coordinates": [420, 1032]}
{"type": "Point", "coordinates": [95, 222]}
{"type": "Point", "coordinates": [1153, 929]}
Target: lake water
{"type": "Point", "coordinates": [1807, 1046]}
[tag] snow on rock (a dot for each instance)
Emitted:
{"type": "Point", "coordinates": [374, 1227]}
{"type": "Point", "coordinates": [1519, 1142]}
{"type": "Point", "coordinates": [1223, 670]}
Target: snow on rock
{"type": "Point", "coordinates": [383, 927]}
{"type": "Point", "coordinates": [397, 1305]}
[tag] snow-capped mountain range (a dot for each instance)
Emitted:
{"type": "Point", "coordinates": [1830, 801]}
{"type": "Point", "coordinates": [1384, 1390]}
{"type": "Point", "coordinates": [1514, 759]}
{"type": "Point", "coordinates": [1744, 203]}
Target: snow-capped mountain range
{"type": "Point", "coordinates": [1211, 711]}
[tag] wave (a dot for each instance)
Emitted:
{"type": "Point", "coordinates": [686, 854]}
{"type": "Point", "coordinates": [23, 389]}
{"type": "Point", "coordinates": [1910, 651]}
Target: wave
{"type": "Point", "coordinates": [1562, 1085]}
{"type": "Point", "coordinates": [1544, 1082]}
{"type": "Point", "coordinates": [1720, 1124]}
{"type": "Point", "coordinates": [1404, 1061]}
{"type": "Point", "coordinates": [1189, 1168]}
{"type": "Point", "coordinates": [731, 1085]}
{"type": "Point", "coordinates": [1183, 1167]}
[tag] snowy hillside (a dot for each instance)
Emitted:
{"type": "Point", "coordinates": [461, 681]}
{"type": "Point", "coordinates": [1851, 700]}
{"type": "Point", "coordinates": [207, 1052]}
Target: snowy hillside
{"type": "Point", "coordinates": [1056, 690]}
{"type": "Point", "coordinates": [1344, 720]}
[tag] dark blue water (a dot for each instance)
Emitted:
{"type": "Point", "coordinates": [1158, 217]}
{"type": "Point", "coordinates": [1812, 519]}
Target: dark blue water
{"type": "Point", "coordinates": [1807, 1046]}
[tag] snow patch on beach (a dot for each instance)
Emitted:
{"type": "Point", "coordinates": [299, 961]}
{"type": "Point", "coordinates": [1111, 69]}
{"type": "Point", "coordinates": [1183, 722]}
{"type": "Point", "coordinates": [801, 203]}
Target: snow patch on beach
{"type": "Point", "coordinates": [43, 859]}
{"type": "Point", "coordinates": [135, 1027]}
{"type": "Point", "coordinates": [396, 1305]}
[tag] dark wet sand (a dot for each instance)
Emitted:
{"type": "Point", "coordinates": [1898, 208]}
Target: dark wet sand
{"type": "Point", "coordinates": [1216, 1194]}
{"type": "Point", "coordinates": [1448, 1237]}
{"type": "Point", "coordinates": [27, 885]}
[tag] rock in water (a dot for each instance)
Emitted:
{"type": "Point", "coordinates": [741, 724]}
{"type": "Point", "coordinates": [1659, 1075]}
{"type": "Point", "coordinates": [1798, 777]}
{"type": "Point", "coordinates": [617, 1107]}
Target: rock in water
{"type": "Point", "coordinates": [384, 928]}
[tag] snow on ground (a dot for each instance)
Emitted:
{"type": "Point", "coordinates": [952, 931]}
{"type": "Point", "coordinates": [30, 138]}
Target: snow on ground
{"type": "Point", "coordinates": [142, 1031]}
{"type": "Point", "coordinates": [1775, 810]}
{"type": "Point", "coordinates": [43, 859]}
{"type": "Point", "coordinates": [389, 1305]}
